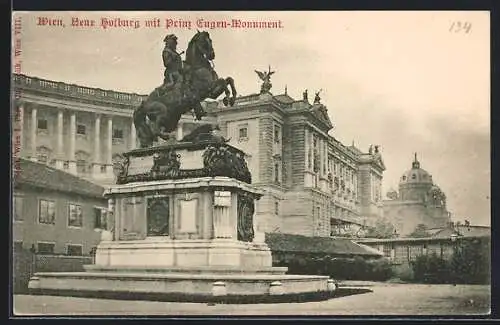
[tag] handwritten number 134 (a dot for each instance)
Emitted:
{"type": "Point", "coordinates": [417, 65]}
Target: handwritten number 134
{"type": "Point", "coordinates": [460, 27]}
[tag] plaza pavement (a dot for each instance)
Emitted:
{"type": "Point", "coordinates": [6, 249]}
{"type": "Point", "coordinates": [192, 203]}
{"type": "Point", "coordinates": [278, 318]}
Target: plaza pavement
{"type": "Point", "coordinates": [386, 299]}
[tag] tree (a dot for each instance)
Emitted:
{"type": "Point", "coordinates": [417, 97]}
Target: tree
{"type": "Point", "coordinates": [471, 261]}
{"type": "Point", "coordinates": [420, 231]}
{"type": "Point", "coordinates": [381, 229]}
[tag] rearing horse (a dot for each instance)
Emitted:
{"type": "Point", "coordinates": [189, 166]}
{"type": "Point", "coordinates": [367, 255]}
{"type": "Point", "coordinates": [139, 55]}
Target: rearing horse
{"type": "Point", "coordinates": [160, 112]}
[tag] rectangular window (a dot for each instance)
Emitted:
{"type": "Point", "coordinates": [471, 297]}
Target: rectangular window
{"type": "Point", "coordinates": [18, 246]}
{"type": "Point", "coordinates": [74, 250]}
{"type": "Point", "coordinates": [387, 250]}
{"type": "Point", "coordinates": [18, 208]}
{"type": "Point", "coordinates": [243, 133]}
{"type": "Point", "coordinates": [81, 129]}
{"type": "Point", "coordinates": [45, 248]}
{"type": "Point", "coordinates": [75, 215]}
{"type": "Point", "coordinates": [81, 166]}
{"type": "Point", "coordinates": [103, 169]}
{"type": "Point", "coordinates": [117, 134]}
{"type": "Point", "coordinates": [42, 124]}
{"type": "Point", "coordinates": [47, 212]}
{"type": "Point", "coordinates": [277, 172]}
{"type": "Point", "coordinates": [42, 158]}
{"type": "Point", "coordinates": [277, 134]}
{"type": "Point", "coordinates": [276, 208]}
{"type": "Point", "coordinates": [100, 218]}
{"type": "Point", "coordinates": [66, 165]}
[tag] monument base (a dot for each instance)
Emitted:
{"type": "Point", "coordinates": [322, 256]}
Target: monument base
{"type": "Point", "coordinates": [217, 270]}
{"type": "Point", "coordinates": [164, 252]}
{"type": "Point", "coordinates": [197, 285]}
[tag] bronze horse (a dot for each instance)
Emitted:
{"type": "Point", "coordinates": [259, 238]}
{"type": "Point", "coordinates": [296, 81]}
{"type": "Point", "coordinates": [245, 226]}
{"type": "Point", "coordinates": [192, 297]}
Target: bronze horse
{"type": "Point", "coordinates": [160, 112]}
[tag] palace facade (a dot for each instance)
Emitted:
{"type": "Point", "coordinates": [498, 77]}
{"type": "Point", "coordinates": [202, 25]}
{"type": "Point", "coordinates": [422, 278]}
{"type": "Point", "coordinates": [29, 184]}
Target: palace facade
{"type": "Point", "coordinates": [314, 185]}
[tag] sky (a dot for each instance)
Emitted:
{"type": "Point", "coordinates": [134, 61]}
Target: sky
{"type": "Point", "coordinates": [407, 81]}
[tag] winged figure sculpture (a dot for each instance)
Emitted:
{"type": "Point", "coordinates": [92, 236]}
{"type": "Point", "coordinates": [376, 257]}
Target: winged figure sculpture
{"type": "Point", "coordinates": [265, 76]}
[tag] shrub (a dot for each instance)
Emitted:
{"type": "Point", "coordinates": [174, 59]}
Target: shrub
{"type": "Point", "coordinates": [430, 269]}
{"type": "Point", "coordinates": [356, 268]}
{"type": "Point", "coordinates": [381, 269]}
{"type": "Point", "coordinates": [403, 272]}
{"type": "Point", "coordinates": [469, 264]}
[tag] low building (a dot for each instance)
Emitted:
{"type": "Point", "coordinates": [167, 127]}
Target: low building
{"type": "Point", "coordinates": [56, 212]}
{"type": "Point", "coordinates": [441, 241]}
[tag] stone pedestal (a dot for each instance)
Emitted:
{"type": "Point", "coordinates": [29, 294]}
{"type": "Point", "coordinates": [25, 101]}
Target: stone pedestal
{"type": "Point", "coordinates": [183, 228]}
{"type": "Point", "coordinates": [186, 222]}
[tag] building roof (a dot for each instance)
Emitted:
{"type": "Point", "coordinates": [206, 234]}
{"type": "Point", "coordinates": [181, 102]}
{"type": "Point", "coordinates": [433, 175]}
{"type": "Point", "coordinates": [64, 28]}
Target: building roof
{"type": "Point", "coordinates": [437, 235]}
{"type": "Point", "coordinates": [42, 176]}
{"type": "Point", "coordinates": [284, 98]}
{"type": "Point", "coordinates": [355, 149]}
{"type": "Point", "coordinates": [320, 112]}
{"type": "Point", "coordinates": [326, 245]}
{"type": "Point", "coordinates": [415, 175]}
{"type": "Point", "coordinates": [464, 231]}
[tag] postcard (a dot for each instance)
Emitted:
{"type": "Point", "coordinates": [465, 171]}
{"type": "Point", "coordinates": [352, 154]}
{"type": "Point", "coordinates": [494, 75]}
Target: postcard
{"type": "Point", "coordinates": [251, 163]}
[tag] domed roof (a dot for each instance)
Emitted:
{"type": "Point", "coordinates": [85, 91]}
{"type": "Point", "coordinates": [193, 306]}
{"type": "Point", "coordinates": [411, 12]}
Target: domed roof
{"type": "Point", "coordinates": [416, 175]}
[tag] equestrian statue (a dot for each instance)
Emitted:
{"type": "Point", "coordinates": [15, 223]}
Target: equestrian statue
{"type": "Point", "coordinates": [186, 84]}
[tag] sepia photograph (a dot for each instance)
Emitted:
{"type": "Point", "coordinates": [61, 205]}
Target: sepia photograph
{"type": "Point", "coordinates": [250, 163]}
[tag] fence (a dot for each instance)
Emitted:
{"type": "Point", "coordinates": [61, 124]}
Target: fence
{"type": "Point", "coordinates": [28, 261]}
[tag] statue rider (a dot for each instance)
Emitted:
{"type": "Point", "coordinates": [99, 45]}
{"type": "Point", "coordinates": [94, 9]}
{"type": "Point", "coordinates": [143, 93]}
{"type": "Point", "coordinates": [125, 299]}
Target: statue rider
{"type": "Point", "coordinates": [173, 75]}
{"type": "Point", "coordinates": [172, 62]}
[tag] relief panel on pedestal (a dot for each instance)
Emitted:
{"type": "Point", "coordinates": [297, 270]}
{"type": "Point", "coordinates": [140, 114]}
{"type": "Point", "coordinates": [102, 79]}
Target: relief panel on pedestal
{"type": "Point", "coordinates": [187, 212]}
{"type": "Point", "coordinates": [132, 218]}
{"type": "Point", "coordinates": [157, 216]}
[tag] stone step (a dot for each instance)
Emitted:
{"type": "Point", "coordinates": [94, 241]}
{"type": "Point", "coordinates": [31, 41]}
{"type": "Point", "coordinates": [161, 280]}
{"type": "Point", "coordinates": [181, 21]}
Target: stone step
{"type": "Point", "coordinates": [258, 288]}
{"type": "Point", "coordinates": [188, 270]}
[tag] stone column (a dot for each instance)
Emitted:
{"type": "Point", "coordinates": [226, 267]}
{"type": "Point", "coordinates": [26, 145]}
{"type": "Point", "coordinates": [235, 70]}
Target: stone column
{"type": "Point", "coordinates": [133, 136]}
{"type": "Point", "coordinates": [326, 157]}
{"type": "Point", "coordinates": [111, 218]}
{"type": "Point", "coordinates": [20, 126]}
{"type": "Point", "coordinates": [323, 184]}
{"type": "Point", "coordinates": [109, 148]}
{"type": "Point", "coordinates": [72, 145]}
{"type": "Point", "coordinates": [96, 166]}
{"type": "Point", "coordinates": [60, 149]}
{"type": "Point", "coordinates": [222, 222]}
{"type": "Point", "coordinates": [320, 152]}
{"type": "Point", "coordinates": [306, 148]}
{"type": "Point", "coordinates": [309, 159]}
{"type": "Point", "coordinates": [33, 130]}
{"type": "Point", "coordinates": [180, 132]}
{"type": "Point", "coordinates": [259, 236]}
